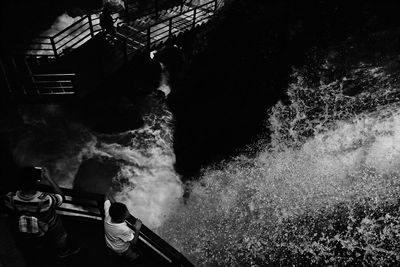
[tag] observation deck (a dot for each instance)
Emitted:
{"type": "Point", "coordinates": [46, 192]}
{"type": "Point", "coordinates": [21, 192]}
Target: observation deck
{"type": "Point", "coordinates": [82, 214]}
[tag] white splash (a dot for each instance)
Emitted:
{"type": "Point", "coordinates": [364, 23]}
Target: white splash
{"type": "Point", "coordinates": [324, 153]}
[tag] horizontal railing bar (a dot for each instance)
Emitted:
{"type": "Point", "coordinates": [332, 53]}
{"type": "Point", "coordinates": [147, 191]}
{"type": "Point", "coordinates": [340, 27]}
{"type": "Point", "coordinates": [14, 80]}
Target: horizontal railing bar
{"type": "Point", "coordinates": [41, 43]}
{"type": "Point", "coordinates": [56, 87]}
{"type": "Point", "coordinates": [69, 34]}
{"type": "Point", "coordinates": [41, 49]}
{"type": "Point", "coordinates": [77, 42]}
{"type": "Point", "coordinates": [197, 21]}
{"type": "Point", "coordinates": [80, 26]}
{"type": "Point", "coordinates": [160, 28]}
{"type": "Point", "coordinates": [55, 81]}
{"type": "Point", "coordinates": [160, 39]}
{"type": "Point", "coordinates": [58, 93]}
{"type": "Point", "coordinates": [53, 74]}
{"type": "Point", "coordinates": [182, 22]}
{"type": "Point", "coordinates": [80, 211]}
{"type": "Point", "coordinates": [70, 26]}
{"type": "Point", "coordinates": [67, 213]}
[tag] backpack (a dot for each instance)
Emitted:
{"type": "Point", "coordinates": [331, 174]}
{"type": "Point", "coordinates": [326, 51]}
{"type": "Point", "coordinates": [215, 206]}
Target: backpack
{"type": "Point", "coordinates": [30, 224]}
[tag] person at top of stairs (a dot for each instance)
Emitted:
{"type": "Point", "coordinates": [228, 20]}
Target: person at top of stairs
{"type": "Point", "coordinates": [107, 21]}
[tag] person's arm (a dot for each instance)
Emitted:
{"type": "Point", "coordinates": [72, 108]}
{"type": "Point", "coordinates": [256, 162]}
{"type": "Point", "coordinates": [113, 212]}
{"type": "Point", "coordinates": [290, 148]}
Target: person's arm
{"type": "Point", "coordinates": [109, 196]}
{"type": "Point", "coordinates": [55, 187]}
{"type": "Point", "coordinates": [7, 201]}
{"type": "Point", "coordinates": [138, 225]}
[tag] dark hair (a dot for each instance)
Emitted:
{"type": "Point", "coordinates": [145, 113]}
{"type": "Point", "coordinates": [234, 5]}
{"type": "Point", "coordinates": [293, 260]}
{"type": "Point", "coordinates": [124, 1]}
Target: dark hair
{"type": "Point", "coordinates": [28, 177]}
{"type": "Point", "coordinates": [118, 212]}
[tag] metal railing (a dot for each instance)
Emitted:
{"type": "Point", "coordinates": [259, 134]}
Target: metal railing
{"type": "Point", "coordinates": [176, 24]}
{"type": "Point", "coordinates": [88, 26]}
{"type": "Point", "coordinates": [158, 32]}
{"type": "Point", "coordinates": [91, 205]}
{"type": "Point", "coordinates": [53, 83]}
{"type": "Point", "coordinates": [69, 38]}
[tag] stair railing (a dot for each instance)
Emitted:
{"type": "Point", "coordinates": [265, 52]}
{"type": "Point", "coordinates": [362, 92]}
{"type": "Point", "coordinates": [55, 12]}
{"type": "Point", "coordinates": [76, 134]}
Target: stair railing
{"type": "Point", "coordinates": [164, 29]}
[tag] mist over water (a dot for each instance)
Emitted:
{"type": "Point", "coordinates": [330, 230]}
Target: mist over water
{"type": "Point", "coordinates": [146, 181]}
{"type": "Point", "coordinates": [330, 153]}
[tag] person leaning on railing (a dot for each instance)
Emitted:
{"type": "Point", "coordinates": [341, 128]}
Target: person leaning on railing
{"type": "Point", "coordinates": [107, 21]}
{"type": "Point", "coordinates": [120, 239]}
{"type": "Point", "coordinates": [35, 211]}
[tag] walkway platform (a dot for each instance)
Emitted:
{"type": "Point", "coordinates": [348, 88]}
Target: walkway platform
{"type": "Point", "coordinates": [82, 55]}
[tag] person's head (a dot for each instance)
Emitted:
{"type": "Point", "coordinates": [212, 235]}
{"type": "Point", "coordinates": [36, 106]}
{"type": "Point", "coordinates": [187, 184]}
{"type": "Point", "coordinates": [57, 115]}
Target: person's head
{"type": "Point", "coordinates": [107, 8]}
{"type": "Point", "coordinates": [29, 178]}
{"type": "Point", "coordinates": [118, 212]}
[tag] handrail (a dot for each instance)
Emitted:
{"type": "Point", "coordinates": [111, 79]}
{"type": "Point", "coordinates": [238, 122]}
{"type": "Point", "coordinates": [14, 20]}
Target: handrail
{"type": "Point", "coordinates": [70, 26]}
{"type": "Point", "coordinates": [88, 25]}
{"type": "Point", "coordinates": [148, 237]}
{"type": "Point", "coordinates": [176, 258]}
{"type": "Point", "coordinates": [169, 23]}
{"type": "Point", "coordinates": [53, 83]}
{"type": "Point", "coordinates": [70, 33]}
{"type": "Point", "coordinates": [53, 74]}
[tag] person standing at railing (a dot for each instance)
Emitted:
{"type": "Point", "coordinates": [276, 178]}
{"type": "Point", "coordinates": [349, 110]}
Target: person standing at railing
{"type": "Point", "coordinates": [120, 239]}
{"type": "Point", "coordinates": [107, 21]}
{"type": "Point", "coordinates": [36, 211]}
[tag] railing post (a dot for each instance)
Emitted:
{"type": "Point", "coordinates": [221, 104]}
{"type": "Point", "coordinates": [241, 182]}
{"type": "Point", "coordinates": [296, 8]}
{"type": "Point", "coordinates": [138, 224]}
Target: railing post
{"type": "Point", "coordinates": [148, 38]}
{"type": "Point", "coordinates": [170, 28]}
{"type": "Point", "coordinates": [182, 3]}
{"type": "Point", "coordinates": [215, 5]}
{"type": "Point", "coordinates": [90, 25]}
{"type": "Point", "coordinates": [53, 45]}
{"type": "Point", "coordinates": [194, 17]}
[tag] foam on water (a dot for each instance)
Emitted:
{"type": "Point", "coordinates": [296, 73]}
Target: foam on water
{"type": "Point", "coordinates": [147, 182]}
{"type": "Point", "coordinates": [326, 149]}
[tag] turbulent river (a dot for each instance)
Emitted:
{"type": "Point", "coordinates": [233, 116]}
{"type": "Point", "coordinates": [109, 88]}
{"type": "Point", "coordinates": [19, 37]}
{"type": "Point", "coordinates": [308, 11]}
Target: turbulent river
{"type": "Point", "coordinates": [322, 188]}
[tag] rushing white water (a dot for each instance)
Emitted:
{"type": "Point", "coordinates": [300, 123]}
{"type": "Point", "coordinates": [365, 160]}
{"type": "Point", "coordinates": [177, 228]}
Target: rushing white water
{"type": "Point", "coordinates": [146, 180]}
{"type": "Point", "coordinates": [327, 150]}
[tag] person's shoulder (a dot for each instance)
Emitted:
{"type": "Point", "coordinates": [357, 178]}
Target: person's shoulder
{"type": "Point", "coordinates": [126, 228]}
{"type": "Point", "coordinates": [43, 196]}
{"type": "Point", "coordinates": [50, 197]}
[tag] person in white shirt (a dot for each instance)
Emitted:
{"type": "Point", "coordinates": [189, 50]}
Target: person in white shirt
{"type": "Point", "coordinates": [119, 237]}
